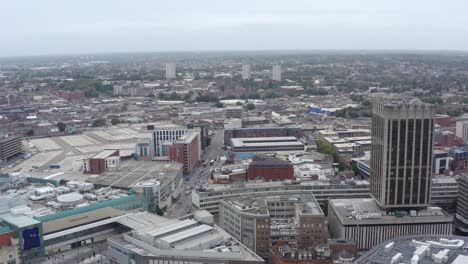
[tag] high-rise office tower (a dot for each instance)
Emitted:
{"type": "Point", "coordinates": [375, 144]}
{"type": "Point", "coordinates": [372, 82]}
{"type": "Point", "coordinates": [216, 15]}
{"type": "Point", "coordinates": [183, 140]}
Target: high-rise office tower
{"type": "Point", "coordinates": [170, 71]}
{"type": "Point", "coordinates": [276, 73]}
{"type": "Point", "coordinates": [245, 71]}
{"type": "Point", "coordinates": [401, 156]}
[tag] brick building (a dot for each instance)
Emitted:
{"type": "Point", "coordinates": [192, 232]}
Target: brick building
{"type": "Point", "coordinates": [269, 169]}
{"type": "Point", "coordinates": [186, 150]}
{"type": "Point", "coordinates": [102, 161]}
{"type": "Point", "coordinates": [69, 95]}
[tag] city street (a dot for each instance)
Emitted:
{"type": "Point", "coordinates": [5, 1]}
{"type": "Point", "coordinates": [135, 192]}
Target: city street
{"type": "Point", "coordinates": [200, 175]}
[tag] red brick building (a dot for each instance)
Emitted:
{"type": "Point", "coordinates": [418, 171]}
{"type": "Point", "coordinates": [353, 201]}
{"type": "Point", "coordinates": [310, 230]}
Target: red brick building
{"type": "Point", "coordinates": [269, 169]}
{"type": "Point", "coordinates": [102, 161]}
{"type": "Point", "coordinates": [186, 150]}
{"type": "Point", "coordinates": [69, 95]}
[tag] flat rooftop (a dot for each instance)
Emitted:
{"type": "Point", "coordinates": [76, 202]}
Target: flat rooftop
{"type": "Point", "coordinates": [265, 141]}
{"type": "Point", "coordinates": [181, 238]}
{"type": "Point", "coordinates": [259, 205]}
{"type": "Point", "coordinates": [452, 247]}
{"type": "Point", "coordinates": [130, 172]}
{"type": "Point", "coordinates": [104, 154]}
{"type": "Point", "coordinates": [366, 211]}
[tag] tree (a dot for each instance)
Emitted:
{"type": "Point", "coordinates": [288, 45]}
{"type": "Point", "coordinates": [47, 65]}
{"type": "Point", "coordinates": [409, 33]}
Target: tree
{"type": "Point", "coordinates": [238, 103]}
{"type": "Point", "coordinates": [98, 123]}
{"type": "Point", "coordinates": [30, 133]}
{"type": "Point", "coordinates": [61, 126]}
{"type": "Point", "coordinates": [250, 106]}
{"type": "Point", "coordinates": [115, 121]}
{"type": "Point", "coordinates": [219, 105]}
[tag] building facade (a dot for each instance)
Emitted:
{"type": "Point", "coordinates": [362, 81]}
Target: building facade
{"type": "Point", "coordinates": [186, 150]}
{"type": "Point", "coordinates": [462, 130]}
{"type": "Point", "coordinates": [461, 216]}
{"type": "Point", "coordinates": [276, 73]}
{"type": "Point", "coordinates": [170, 71]}
{"type": "Point", "coordinates": [164, 137]}
{"type": "Point", "coordinates": [260, 222]}
{"type": "Point", "coordinates": [10, 147]}
{"type": "Point", "coordinates": [245, 71]}
{"type": "Point", "coordinates": [401, 156]}
{"type": "Point", "coordinates": [291, 131]}
{"type": "Point", "coordinates": [269, 169]}
{"type": "Point", "coordinates": [364, 221]}
{"type": "Point", "coordinates": [101, 162]}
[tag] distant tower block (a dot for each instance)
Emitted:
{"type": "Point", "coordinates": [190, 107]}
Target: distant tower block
{"type": "Point", "coordinates": [170, 71]}
{"type": "Point", "coordinates": [245, 71]}
{"type": "Point", "coordinates": [276, 73]}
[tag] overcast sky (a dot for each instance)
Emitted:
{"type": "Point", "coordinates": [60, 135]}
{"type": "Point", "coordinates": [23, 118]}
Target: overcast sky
{"type": "Point", "coordinates": [40, 27]}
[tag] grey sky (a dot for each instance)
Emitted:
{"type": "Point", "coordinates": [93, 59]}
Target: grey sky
{"type": "Point", "coordinates": [31, 27]}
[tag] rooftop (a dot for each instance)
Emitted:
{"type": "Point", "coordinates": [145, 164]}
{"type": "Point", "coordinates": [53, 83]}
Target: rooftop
{"type": "Point", "coordinates": [130, 172]}
{"type": "Point", "coordinates": [366, 211]}
{"type": "Point", "coordinates": [154, 235]}
{"type": "Point", "coordinates": [104, 154]}
{"type": "Point", "coordinates": [421, 249]}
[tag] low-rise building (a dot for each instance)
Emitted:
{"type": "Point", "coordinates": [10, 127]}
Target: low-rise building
{"type": "Point", "coordinates": [266, 144]}
{"type": "Point", "coordinates": [269, 169]}
{"type": "Point", "coordinates": [156, 239]}
{"type": "Point", "coordinates": [101, 162]}
{"type": "Point", "coordinates": [364, 221]}
{"type": "Point", "coordinates": [427, 249]}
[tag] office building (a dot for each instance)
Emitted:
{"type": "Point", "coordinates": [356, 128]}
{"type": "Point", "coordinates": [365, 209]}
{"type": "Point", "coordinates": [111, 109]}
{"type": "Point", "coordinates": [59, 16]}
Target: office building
{"type": "Point", "coordinates": [251, 132]}
{"type": "Point", "coordinates": [462, 130]}
{"type": "Point", "coordinates": [461, 216]}
{"type": "Point", "coordinates": [459, 158]}
{"type": "Point", "coordinates": [10, 147]}
{"type": "Point", "coordinates": [186, 150]}
{"type": "Point", "coordinates": [233, 112]}
{"type": "Point", "coordinates": [263, 221]}
{"type": "Point", "coordinates": [276, 73]}
{"type": "Point", "coordinates": [245, 71]}
{"type": "Point", "coordinates": [401, 156]}
{"type": "Point", "coordinates": [154, 239]}
{"type": "Point", "coordinates": [266, 144]}
{"type": "Point", "coordinates": [101, 162]}
{"type": "Point", "coordinates": [163, 138]}
{"type": "Point", "coordinates": [170, 71]}
{"type": "Point", "coordinates": [366, 222]}
{"type": "Point", "coordinates": [418, 249]}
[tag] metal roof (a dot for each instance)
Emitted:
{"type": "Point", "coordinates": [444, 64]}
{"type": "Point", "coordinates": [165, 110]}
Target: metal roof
{"type": "Point", "coordinates": [88, 208]}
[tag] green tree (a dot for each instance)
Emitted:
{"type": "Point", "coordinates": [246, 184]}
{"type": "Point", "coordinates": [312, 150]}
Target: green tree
{"type": "Point", "coordinates": [61, 126]}
{"type": "Point", "coordinates": [219, 105]}
{"type": "Point", "coordinates": [115, 121]}
{"type": "Point", "coordinates": [250, 106]}
{"type": "Point", "coordinates": [30, 133]}
{"type": "Point", "coordinates": [98, 123]}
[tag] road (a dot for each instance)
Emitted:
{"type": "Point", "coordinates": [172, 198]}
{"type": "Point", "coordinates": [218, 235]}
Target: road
{"type": "Point", "coordinates": [199, 175]}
